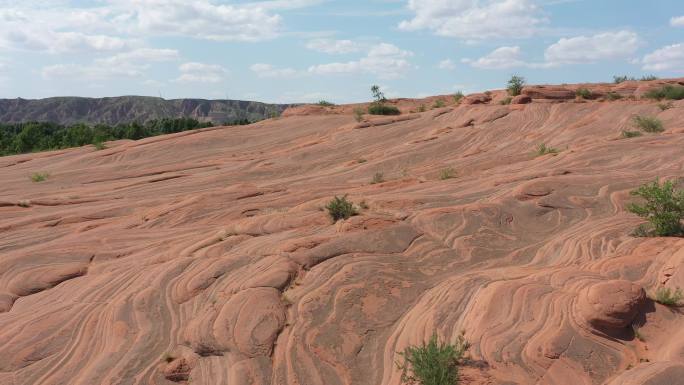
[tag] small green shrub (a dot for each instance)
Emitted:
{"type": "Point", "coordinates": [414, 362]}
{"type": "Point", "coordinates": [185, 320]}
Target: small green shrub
{"type": "Point", "coordinates": [631, 134]}
{"type": "Point", "coordinates": [542, 149]}
{"type": "Point", "coordinates": [665, 106]}
{"type": "Point", "coordinates": [447, 173]}
{"type": "Point", "coordinates": [340, 208]}
{"type": "Point", "coordinates": [647, 78]}
{"type": "Point", "coordinates": [620, 79]}
{"type": "Point", "coordinates": [358, 114]}
{"type": "Point", "coordinates": [458, 96]}
{"type": "Point", "coordinates": [325, 103]}
{"type": "Point", "coordinates": [648, 124]}
{"type": "Point", "coordinates": [583, 93]}
{"type": "Point", "coordinates": [361, 160]}
{"type": "Point", "coordinates": [439, 103]}
{"type": "Point", "coordinates": [422, 108]}
{"type": "Point", "coordinates": [613, 96]}
{"type": "Point", "coordinates": [515, 85]}
{"type": "Point", "coordinates": [378, 177]}
{"type": "Point", "coordinates": [40, 176]}
{"type": "Point", "coordinates": [669, 92]}
{"type": "Point", "coordinates": [668, 297]}
{"type": "Point", "coordinates": [99, 146]}
{"type": "Point", "coordinates": [506, 101]}
{"type": "Point", "coordinates": [663, 208]}
{"type": "Point", "coordinates": [382, 109]}
{"type": "Point", "coordinates": [434, 363]}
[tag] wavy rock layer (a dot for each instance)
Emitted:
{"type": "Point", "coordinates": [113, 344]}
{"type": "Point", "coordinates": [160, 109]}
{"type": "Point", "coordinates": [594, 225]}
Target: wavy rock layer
{"type": "Point", "coordinates": [207, 258]}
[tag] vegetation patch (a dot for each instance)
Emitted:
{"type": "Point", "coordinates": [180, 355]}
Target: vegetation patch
{"type": "Point", "coordinates": [543, 149]}
{"type": "Point", "coordinates": [340, 208]}
{"type": "Point", "coordinates": [631, 134]}
{"type": "Point", "coordinates": [669, 297]}
{"type": "Point", "coordinates": [439, 103]}
{"type": "Point", "coordinates": [583, 93]}
{"type": "Point", "coordinates": [669, 92]}
{"type": "Point", "coordinates": [663, 207]}
{"type": "Point", "coordinates": [447, 173]}
{"type": "Point", "coordinates": [39, 176]}
{"type": "Point", "coordinates": [378, 107]}
{"type": "Point", "coordinates": [325, 103]}
{"type": "Point", "coordinates": [378, 177]}
{"type": "Point", "coordinates": [458, 96]}
{"type": "Point", "coordinates": [515, 85]}
{"type": "Point", "coordinates": [506, 100]}
{"type": "Point", "coordinates": [28, 137]}
{"type": "Point", "coordinates": [665, 106]}
{"type": "Point", "coordinates": [612, 96]}
{"type": "Point", "coordinates": [648, 124]}
{"type": "Point", "coordinates": [434, 363]}
{"type": "Point", "coordinates": [358, 114]}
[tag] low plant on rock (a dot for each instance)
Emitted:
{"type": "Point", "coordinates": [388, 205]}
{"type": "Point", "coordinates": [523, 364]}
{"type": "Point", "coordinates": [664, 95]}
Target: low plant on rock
{"type": "Point", "coordinates": [515, 85]}
{"type": "Point", "coordinates": [39, 176]}
{"type": "Point", "coordinates": [665, 106]}
{"type": "Point", "coordinates": [325, 103]}
{"type": "Point", "coordinates": [439, 103]}
{"type": "Point", "coordinates": [378, 177]}
{"type": "Point", "coordinates": [358, 114]}
{"type": "Point", "coordinates": [583, 93]}
{"type": "Point", "coordinates": [458, 96]}
{"type": "Point", "coordinates": [631, 134]}
{"type": "Point", "coordinates": [340, 208]}
{"type": "Point", "coordinates": [648, 124]}
{"type": "Point", "coordinates": [669, 297]}
{"type": "Point", "coordinates": [543, 149]}
{"type": "Point", "coordinates": [663, 207]}
{"type": "Point", "coordinates": [669, 91]}
{"type": "Point", "coordinates": [434, 363]}
{"type": "Point", "coordinates": [447, 173]}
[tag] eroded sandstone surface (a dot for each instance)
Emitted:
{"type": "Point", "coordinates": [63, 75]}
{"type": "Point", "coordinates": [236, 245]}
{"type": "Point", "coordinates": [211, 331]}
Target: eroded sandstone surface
{"type": "Point", "coordinates": [207, 257]}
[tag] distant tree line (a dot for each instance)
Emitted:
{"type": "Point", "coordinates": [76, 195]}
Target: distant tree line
{"type": "Point", "coordinates": [19, 138]}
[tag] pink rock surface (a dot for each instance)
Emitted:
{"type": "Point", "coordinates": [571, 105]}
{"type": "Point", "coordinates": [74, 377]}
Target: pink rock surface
{"type": "Point", "coordinates": [214, 246]}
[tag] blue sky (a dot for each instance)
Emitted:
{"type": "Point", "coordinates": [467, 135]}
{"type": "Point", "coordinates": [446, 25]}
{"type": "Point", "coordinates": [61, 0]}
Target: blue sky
{"type": "Point", "coordinates": [307, 50]}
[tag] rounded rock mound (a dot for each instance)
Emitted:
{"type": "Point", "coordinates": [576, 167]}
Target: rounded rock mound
{"type": "Point", "coordinates": [611, 304]}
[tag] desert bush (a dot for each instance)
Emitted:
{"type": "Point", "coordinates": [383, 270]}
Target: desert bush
{"type": "Point", "coordinates": [422, 108]}
{"type": "Point", "coordinates": [362, 160]}
{"type": "Point", "coordinates": [506, 101]}
{"type": "Point", "coordinates": [583, 93]}
{"type": "Point", "coordinates": [669, 92]}
{"type": "Point", "coordinates": [668, 297]}
{"type": "Point", "coordinates": [340, 208]}
{"type": "Point", "coordinates": [631, 134]}
{"type": "Point", "coordinates": [458, 96]}
{"type": "Point", "coordinates": [447, 173]}
{"type": "Point", "coordinates": [434, 363]}
{"type": "Point", "coordinates": [325, 103]}
{"type": "Point", "coordinates": [665, 106]}
{"type": "Point", "coordinates": [620, 79]}
{"type": "Point", "coordinates": [515, 85]}
{"type": "Point", "coordinates": [439, 103]}
{"type": "Point", "coordinates": [358, 114]}
{"type": "Point", "coordinates": [663, 207]}
{"type": "Point", "coordinates": [647, 78]}
{"type": "Point", "coordinates": [542, 149]}
{"type": "Point", "coordinates": [378, 106]}
{"type": "Point", "coordinates": [378, 177]}
{"type": "Point", "coordinates": [39, 176]}
{"type": "Point", "coordinates": [613, 96]}
{"type": "Point", "coordinates": [383, 109]}
{"type": "Point", "coordinates": [648, 123]}
{"type": "Point", "coordinates": [99, 145]}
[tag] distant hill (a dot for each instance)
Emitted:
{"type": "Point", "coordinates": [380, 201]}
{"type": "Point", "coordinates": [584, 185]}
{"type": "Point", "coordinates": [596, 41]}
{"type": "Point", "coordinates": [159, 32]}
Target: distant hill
{"type": "Point", "coordinates": [128, 109]}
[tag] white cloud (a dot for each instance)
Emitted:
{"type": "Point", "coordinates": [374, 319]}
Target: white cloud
{"type": "Point", "coordinates": [111, 25]}
{"type": "Point", "coordinates": [668, 58]}
{"type": "Point", "coordinates": [333, 46]}
{"type": "Point", "coordinates": [447, 64]}
{"type": "Point", "coordinates": [385, 61]}
{"type": "Point", "coordinates": [127, 64]}
{"type": "Point", "coordinates": [589, 49]}
{"type": "Point", "coordinates": [194, 72]}
{"type": "Point", "coordinates": [475, 19]}
{"type": "Point", "coordinates": [677, 21]}
{"type": "Point", "coordinates": [268, 71]}
{"type": "Point", "coordinates": [500, 58]}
